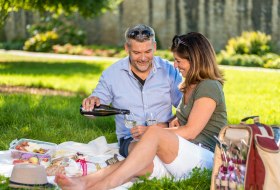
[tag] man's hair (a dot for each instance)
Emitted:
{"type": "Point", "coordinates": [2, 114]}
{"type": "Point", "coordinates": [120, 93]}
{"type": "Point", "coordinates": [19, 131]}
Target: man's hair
{"type": "Point", "coordinates": [140, 33]}
{"type": "Point", "coordinates": [201, 55]}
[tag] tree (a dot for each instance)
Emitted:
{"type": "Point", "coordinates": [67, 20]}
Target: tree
{"type": "Point", "coordinates": [86, 8]}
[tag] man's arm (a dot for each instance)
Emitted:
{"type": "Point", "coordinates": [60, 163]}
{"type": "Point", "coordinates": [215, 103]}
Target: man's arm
{"type": "Point", "coordinates": [175, 80]}
{"type": "Point", "coordinates": [100, 95]}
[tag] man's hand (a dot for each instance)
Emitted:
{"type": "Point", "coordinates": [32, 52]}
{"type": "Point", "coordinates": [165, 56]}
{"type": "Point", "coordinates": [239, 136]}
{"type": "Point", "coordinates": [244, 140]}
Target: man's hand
{"type": "Point", "coordinates": [138, 131]}
{"type": "Point", "coordinates": [90, 102]}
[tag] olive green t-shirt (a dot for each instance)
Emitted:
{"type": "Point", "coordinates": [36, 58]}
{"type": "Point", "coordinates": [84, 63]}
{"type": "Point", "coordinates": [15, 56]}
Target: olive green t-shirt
{"type": "Point", "coordinates": [212, 89]}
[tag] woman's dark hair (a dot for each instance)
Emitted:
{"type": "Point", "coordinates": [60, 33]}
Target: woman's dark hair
{"type": "Point", "coordinates": [198, 50]}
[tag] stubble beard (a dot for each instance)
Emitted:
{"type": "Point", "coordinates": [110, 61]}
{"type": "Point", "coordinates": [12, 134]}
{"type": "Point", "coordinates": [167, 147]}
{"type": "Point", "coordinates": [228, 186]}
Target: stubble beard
{"type": "Point", "coordinates": [142, 69]}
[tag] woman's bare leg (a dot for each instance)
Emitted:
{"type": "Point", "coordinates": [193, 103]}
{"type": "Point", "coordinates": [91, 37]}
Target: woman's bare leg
{"type": "Point", "coordinates": [156, 141]}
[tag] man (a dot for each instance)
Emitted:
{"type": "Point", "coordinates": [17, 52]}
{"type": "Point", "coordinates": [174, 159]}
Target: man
{"type": "Point", "coordinates": [140, 82]}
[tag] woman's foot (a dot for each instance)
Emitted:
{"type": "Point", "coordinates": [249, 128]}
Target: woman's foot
{"type": "Point", "coordinates": [69, 183]}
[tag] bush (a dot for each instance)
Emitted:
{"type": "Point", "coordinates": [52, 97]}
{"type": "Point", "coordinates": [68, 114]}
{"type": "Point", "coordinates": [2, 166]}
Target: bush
{"type": "Point", "coordinates": [82, 50]}
{"type": "Point", "coordinates": [251, 49]}
{"type": "Point", "coordinates": [275, 64]}
{"type": "Point", "coordinates": [256, 43]}
{"type": "Point", "coordinates": [61, 27]}
{"type": "Point", "coordinates": [269, 57]}
{"type": "Point", "coordinates": [15, 45]}
{"type": "Point", "coordinates": [41, 42]}
{"type": "Point", "coordinates": [242, 60]}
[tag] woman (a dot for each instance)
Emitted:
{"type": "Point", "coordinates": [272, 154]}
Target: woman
{"type": "Point", "coordinates": [189, 141]}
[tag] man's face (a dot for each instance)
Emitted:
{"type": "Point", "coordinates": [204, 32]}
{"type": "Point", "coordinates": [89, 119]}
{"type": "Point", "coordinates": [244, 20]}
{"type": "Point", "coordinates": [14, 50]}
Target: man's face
{"type": "Point", "coordinates": [141, 54]}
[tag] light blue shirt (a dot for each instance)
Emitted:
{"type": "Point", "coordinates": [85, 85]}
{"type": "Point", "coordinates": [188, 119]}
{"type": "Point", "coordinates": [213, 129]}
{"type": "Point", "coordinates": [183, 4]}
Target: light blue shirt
{"type": "Point", "coordinates": [118, 85]}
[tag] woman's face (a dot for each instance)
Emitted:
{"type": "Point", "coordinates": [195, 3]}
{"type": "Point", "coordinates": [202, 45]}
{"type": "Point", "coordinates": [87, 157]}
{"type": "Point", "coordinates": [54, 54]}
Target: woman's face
{"type": "Point", "coordinates": [182, 64]}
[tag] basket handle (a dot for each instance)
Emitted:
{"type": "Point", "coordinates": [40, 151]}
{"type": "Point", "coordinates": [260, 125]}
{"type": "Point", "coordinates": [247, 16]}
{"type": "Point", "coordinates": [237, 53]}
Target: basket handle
{"type": "Point", "coordinates": [256, 119]}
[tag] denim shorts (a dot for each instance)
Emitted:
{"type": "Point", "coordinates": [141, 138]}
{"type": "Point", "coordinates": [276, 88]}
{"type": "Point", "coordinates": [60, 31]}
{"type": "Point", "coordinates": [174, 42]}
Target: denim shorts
{"type": "Point", "coordinates": [124, 144]}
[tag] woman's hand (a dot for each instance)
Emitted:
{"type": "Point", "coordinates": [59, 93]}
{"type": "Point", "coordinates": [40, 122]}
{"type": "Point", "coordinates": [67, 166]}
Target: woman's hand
{"type": "Point", "coordinates": [174, 123]}
{"type": "Point", "coordinates": [138, 131]}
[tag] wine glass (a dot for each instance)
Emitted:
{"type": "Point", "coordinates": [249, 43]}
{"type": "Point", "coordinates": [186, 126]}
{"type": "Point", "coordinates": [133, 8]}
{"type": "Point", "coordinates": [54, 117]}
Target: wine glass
{"type": "Point", "coordinates": [129, 120]}
{"type": "Point", "coordinates": [151, 118]}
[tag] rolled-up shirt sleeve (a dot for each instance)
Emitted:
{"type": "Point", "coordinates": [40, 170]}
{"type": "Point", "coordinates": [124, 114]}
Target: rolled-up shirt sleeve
{"type": "Point", "coordinates": [102, 90]}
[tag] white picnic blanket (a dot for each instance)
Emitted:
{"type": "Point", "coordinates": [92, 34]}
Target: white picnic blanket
{"type": "Point", "coordinates": [97, 149]}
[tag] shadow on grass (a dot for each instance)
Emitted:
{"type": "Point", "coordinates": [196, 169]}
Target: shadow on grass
{"type": "Point", "coordinates": [49, 68]}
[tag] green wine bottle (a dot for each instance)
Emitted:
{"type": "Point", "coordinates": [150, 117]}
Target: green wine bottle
{"type": "Point", "coordinates": [103, 110]}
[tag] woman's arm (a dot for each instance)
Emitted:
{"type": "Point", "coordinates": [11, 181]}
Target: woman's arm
{"type": "Point", "coordinates": [199, 116]}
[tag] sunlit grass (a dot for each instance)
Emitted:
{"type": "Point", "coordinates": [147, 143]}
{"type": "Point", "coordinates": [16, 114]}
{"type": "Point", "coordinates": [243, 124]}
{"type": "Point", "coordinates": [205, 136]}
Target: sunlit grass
{"type": "Point", "coordinates": [252, 93]}
{"type": "Point", "coordinates": [75, 76]}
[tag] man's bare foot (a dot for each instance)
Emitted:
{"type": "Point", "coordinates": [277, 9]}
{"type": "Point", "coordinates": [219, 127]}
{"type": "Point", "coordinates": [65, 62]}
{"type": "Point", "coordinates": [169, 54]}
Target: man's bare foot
{"type": "Point", "coordinates": [69, 183]}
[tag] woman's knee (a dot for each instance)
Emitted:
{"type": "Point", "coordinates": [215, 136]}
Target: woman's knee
{"type": "Point", "coordinates": [146, 171]}
{"type": "Point", "coordinates": [154, 129]}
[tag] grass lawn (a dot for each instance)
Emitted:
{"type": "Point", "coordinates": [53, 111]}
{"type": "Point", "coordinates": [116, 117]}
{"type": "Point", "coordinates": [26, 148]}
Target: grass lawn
{"type": "Point", "coordinates": [74, 76]}
{"type": "Point", "coordinates": [57, 119]}
{"type": "Point", "coordinates": [252, 93]}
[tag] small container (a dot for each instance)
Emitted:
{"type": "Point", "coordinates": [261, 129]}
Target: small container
{"type": "Point", "coordinates": [42, 156]}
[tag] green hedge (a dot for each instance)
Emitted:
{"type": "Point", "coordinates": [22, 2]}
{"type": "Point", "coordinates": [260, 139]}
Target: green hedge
{"type": "Point", "coordinates": [256, 43]}
{"type": "Point", "coordinates": [243, 60]}
{"type": "Point", "coordinates": [251, 49]}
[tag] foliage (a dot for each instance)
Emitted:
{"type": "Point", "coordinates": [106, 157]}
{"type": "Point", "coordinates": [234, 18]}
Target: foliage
{"type": "Point", "coordinates": [256, 43]}
{"type": "Point", "coordinates": [62, 25]}
{"type": "Point", "coordinates": [86, 8]}
{"type": "Point", "coordinates": [252, 49]}
{"type": "Point", "coordinates": [271, 60]}
{"type": "Point", "coordinates": [249, 60]}
{"type": "Point", "coordinates": [275, 64]}
{"type": "Point", "coordinates": [4, 10]}
{"type": "Point", "coordinates": [13, 45]}
{"type": "Point", "coordinates": [53, 30]}
{"type": "Point", "coordinates": [242, 60]}
{"type": "Point", "coordinates": [199, 179]}
{"type": "Point", "coordinates": [82, 50]}
{"type": "Point", "coordinates": [41, 42]}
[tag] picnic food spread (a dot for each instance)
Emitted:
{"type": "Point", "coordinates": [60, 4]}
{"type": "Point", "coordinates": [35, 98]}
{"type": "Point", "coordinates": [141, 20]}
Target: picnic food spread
{"type": "Point", "coordinates": [30, 147]}
{"type": "Point", "coordinates": [31, 151]}
{"type": "Point", "coordinates": [57, 160]}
